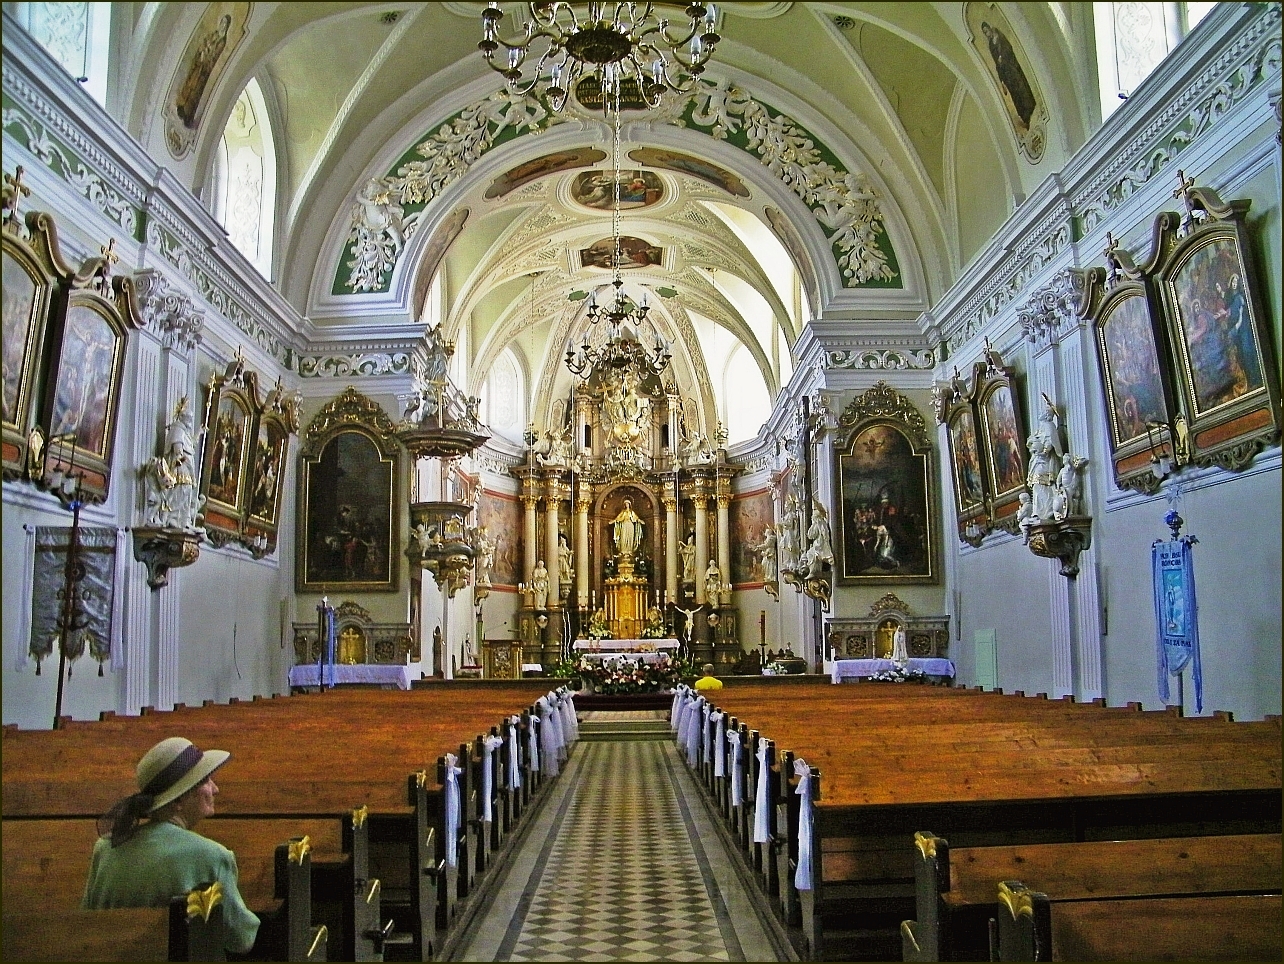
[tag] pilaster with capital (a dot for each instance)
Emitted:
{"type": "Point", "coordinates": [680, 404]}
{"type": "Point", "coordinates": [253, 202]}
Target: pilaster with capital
{"type": "Point", "coordinates": [582, 506]}
{"type": "Point", "coordinates": [530, 500]}
{"type": "Point", "coordinates": [724, 531]}
{"type": "Point", "coordinates": [555, 490]}
{"type": "Point", "coordinates": [700, 500]}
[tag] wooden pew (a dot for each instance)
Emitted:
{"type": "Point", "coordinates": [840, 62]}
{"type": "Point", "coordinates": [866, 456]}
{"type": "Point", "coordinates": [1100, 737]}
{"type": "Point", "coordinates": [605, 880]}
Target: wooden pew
{"type": "Point", "coordinates": [973, 759]}
{"type": "Point", "coordinates": [1033, 927]}
{"type": "Point", "coordinates": [955, 891]}
{"type": "Point", "coordinates": [124, 934]}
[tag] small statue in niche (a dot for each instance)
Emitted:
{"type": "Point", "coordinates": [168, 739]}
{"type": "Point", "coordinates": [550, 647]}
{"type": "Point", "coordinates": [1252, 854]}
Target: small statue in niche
{"type": "Point", "coordinates": [687, 551]}
{"type": "Point", "coordinates": [565, 572]}
{"type": "Point", "coordinates": [767, 553]}
{"type": "Point", "coordinates": [1069, 493]}
{"type": "Point", "coordinates": [485, 557]}
{"type": "Point", "coordinates": [713, 583]}
{"type": "Point", "coordinates": [789, 540]}
{"type": "Point", "coordinates": [819, 546]}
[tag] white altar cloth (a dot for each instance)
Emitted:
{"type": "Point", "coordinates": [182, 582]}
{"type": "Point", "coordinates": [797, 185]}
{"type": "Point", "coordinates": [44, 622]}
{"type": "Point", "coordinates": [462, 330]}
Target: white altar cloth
{"type": "Point", "coordinates": [386, 674]}
{"type": "Point", "coordinates": [636, 657]}
{"type": "Point", "coordinates": [856, 668]}
{"type": "Point", "coordinates": [623, 645]}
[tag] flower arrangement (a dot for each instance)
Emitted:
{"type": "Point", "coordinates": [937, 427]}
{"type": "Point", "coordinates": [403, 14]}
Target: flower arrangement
{"type": "Point", "coordinates": [597, 627]}
{"type": "Point", "coordinates": [899, 674]}
{"type": "Point", "coordinates": [620, 675]}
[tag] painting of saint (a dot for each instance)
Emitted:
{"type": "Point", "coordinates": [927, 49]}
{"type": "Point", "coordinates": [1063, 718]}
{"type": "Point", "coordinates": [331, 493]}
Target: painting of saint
{"type": "Point", "coordinates": [634, 253]}
{"type": "Point", "coordinates": [227, 454]}
{"type": "Point", "coordinates": [595, 189]}
{"type": "Point", "coordinates": [348, 524]}
{"type": "Point", "coordinates": [538, 167]}
{"type": "Point", "coordinates": [1223, 357]}
{"type": "Point", "coordinates": [1007, 459]}
{"type": "Point", "coordinates": [86, 370]}
{"type": "Point", "coordinates": [694, 166]}
{"type": "Point", "coordinates": [269, 457]}
{"type": "Point", "coordinates": [968, 485]}
{"type": "Point", "coordinates": [749, 515]}
{"type": "Point", "coordinates": [19, 311]}
{"type": "Point", "coordinates": [1135, 386]}
{"type": "Point", "coordinates": [994, 40]}
{"type": "Point", "coordinates": [502, 517]}
{"type": "Point", "coordinates": [886, 515]}
{"type": "Point", "coordinates": [217, 35]}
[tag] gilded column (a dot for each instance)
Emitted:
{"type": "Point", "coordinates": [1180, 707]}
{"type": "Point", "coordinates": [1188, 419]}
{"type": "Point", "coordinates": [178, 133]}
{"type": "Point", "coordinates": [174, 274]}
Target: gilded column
{"type": "Point", "coordinates": [582, 547]}
{"type": "Point", "coordinates": [670, 548]}
{"type": "Point", "coordinates": [701, 503]}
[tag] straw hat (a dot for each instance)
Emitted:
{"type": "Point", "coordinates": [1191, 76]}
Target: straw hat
{"type": "Point", "coordinates": [173, 766]}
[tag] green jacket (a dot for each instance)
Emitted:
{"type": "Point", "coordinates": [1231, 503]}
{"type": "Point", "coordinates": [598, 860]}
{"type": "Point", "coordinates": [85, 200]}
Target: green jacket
{"type": "Point", "coordinates": [162, 861]}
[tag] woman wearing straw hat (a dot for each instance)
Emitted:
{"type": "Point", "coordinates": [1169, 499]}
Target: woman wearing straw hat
{"type": "Point", "coordinates": [147, 864]}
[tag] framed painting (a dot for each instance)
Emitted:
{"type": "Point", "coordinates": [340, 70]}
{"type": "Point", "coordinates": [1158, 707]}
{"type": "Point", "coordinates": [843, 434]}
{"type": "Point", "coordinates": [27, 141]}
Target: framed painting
{"type": "Point", "coordinates": [886, 523]}
{"type": "Point", "coordinates": [348, 499]}
{"type": "Point", "coordinates": [1002, 436]}
{"type": "Point", "coordinates": [33, 270]}
{"type": "Point", "coordinates": [596, 189]}
{"type": "Point", "coordinates": [219, 32]}
{"type": "Point", "coordinates": [538, 167]}
{"type": "Point", "coordinates": [1005, 62]}
{"type": "Point", "coordinates": [968, 469]}
{"type": "Point", "coordinates": [88, 329]}
{"type": "Point", "coordinates": [502, 514]}
{"type": "Point", "coordinates": [694, 166]}
{"type": "Point", "coordinates": [749, 514]}
{"type": "Point", "coordinates": [230, 426]}
{"type": "Point", "coordinates": [1136, 377]}
{"type": "Point", "coordinates": [267, 471]}
{"type": "Point", "coordinates": [1227, 379]}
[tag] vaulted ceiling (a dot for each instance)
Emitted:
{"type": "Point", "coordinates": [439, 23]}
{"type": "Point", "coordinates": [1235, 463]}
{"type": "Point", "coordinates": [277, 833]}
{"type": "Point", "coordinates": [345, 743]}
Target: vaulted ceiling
{"type": "Point", "coordinates": [839, 162]}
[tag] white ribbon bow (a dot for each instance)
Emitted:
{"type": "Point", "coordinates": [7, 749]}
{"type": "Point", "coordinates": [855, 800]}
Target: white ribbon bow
{"type": "Point", "coordinates": [706, 734]}
{"type": "Point", "coordinates": [802, 877]}
{"type": "Point", "coordinates": [533, 743]}
{"type": "Point", "coordinates": [693, 732]}
{"type": "Point", "coordinates": [452, 810]}
{"type": "Point", "coordinates": [514, 764]}
{"type": "Point", "coordinates": [719, 743]}
{"type": "Point", "coordinates": [761, 821]}
{"type": "Point", "coordinates": [489, 745]}
{"type": "Point", "coordinates": [733, 740]}
{"type": "Point", "coordinates": [675, 711]}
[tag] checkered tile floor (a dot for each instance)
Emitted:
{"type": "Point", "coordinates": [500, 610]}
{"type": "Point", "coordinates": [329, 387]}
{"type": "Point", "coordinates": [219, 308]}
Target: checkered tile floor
{"type": "Point", "coordinates": [625, 871]}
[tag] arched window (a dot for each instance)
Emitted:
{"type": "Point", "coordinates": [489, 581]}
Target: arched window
{"type": "Point", "coordinates": [77, 35]}
{"type": "Point", "coordinates": [245, 179]}
{"type": "Point", "coordinates": [503, 402]}
{"type": "Point", "coordinates": [1132, 38]}
{"type": "Point", "coordinates": [745, 396]}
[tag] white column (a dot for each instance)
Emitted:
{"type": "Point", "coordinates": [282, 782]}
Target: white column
{"type": "Point", "coordinates": [530, 500]}
{"type": "Point", "coordinates": [724, 535]}
{"type": "Point", "coordinates": [1076, 371]}
{"type": "Point", "coordinates": [1045, 380]}
{"type": "Point", "coordinates": [141, 603]}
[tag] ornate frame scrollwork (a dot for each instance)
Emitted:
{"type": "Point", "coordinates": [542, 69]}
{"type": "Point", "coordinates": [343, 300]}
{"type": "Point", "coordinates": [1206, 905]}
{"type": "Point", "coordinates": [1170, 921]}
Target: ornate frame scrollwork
{"type": "Point", "coordinates": [1004, 438]}
{"type": "Point", "coordinates": [882, 407]}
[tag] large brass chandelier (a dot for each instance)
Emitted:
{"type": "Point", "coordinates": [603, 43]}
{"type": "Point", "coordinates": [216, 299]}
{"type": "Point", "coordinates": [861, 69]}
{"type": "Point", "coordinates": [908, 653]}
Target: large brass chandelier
{"type": "Point", "coordinates": [622, 43]}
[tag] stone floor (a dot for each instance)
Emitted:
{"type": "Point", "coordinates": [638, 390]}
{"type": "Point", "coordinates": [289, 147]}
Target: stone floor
{"type": "Point", "coordinates": [622, 864]}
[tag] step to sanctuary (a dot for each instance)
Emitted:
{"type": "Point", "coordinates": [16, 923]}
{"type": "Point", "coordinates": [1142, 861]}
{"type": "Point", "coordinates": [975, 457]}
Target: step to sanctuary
{"type": "Point", "coordinates": [625, 729]}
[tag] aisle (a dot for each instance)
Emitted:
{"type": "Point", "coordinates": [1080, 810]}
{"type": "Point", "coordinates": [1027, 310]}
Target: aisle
{"type": "Point", "coordinates": [621, 865]}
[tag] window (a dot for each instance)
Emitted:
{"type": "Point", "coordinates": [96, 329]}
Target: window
{"type": "Point", "coordinates": [1132, 38]}
{"type": "Point", "coordinates": [245, 179]}
{"type": "Point", "coordinates": [502, 403]}
{"type": "Point", "coordinates": [77, 35]}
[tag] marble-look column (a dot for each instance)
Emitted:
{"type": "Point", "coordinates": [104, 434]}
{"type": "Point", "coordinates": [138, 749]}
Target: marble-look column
{"type": "Point", "coordinates": [724, 533]}
{"type": "Point", "coordinates": [530, 499]}
{"type": "Point", "coordinates": [552, 510]}
{"type": "Point", "coordinates": [582, 546]}
{"type": "Point", "coordinates": [1045, 380]}
{"type": "Point", "coordinates": [701, 503]}
{"type": "Point", "coordinates": [140, 635]}
{"type": "Point", "coordinates": [670, 548]}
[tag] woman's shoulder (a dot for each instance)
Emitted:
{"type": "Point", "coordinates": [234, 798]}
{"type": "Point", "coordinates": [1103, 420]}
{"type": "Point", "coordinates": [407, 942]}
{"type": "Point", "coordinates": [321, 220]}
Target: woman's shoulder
{"type": "Point", "coordinates": [181, 837]}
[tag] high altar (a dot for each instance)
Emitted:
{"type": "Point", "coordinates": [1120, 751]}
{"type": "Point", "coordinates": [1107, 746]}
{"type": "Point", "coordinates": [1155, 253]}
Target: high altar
{"type": "Point", "coordinates": [619, 532]}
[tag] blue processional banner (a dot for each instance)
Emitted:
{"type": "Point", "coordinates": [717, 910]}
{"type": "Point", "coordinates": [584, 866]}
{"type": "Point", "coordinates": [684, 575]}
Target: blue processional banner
{"type": "Point", "coordinates": [1176, 614]}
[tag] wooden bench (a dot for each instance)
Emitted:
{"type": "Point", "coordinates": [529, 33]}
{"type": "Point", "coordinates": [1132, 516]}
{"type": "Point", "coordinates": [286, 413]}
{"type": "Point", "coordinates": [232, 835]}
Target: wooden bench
{"type": "Point", "coordinates": [1034, 927]}
{"type": "Point", "coordinates": [955, 892]}
{"type": "Point", "coordinates": [124, 934]}
{"type": "Point", "coordinates": [999, 770]}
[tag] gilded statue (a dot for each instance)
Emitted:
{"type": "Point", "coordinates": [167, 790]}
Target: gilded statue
{"type": "Point", "coordinates": [627, 530]}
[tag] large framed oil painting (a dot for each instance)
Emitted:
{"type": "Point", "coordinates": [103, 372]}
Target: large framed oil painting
{"type": "Point", "coordinates": [349, 528]}
{"type": "Point", "coordinates": [749, 514]}
{"type": "Point", "coordinates": [501, 514]}
{"type": "Point", "coordinates": [886, 525]}
{"type": "Point", "coordinates": [1226, 370]}
{"type": "Point", "coordinates": [32, 269]}
{"type": "Point", "coordinates": [968, 469]}
{"type": "Point", "coordinates": [1003, 439]}
{"type": "Point", "coordinates": [1134, 362]}
{"type": "Point", "coordinates": [89, 326]}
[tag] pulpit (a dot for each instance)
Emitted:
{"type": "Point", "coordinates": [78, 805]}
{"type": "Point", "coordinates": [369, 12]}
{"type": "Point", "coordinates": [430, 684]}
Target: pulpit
{"type": "Point", "coordinates": [502, 659]}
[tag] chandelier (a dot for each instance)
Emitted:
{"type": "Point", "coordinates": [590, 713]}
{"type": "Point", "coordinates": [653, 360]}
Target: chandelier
{"type": "Point", "coordinates": [630, 46]}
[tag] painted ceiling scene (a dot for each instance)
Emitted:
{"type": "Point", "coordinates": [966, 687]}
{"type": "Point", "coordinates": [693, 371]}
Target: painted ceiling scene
{"type": "Point", "coordinates": [834, 162]}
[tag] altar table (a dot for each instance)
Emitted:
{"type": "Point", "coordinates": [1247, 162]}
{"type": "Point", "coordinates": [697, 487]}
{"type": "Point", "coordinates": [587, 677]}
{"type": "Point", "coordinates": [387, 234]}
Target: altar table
{"type": "Point", "coordinates": [624, 645]}
{"type": "Point", "coordinates": [384, 674]}
{"type": "Point", "coordinates": [857, 668]}
{"type": "Point", "coordinates": [637, 657]}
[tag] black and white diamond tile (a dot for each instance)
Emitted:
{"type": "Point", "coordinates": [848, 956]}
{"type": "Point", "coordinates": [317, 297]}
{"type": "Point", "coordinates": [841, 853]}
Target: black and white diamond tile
{"type": "Point", "coordinates": [622, 882]}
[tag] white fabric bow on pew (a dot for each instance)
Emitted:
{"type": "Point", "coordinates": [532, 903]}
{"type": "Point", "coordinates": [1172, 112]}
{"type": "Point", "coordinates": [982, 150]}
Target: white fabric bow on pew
{"type": "Point", "coordinates": [489, 745]}
{"type": "Point", "coordinates": [514, 764]}
{"type": "Point", "coordinates": [719, 743]}
{"type": "Point", "coordinates": [452, 810]}
{"type": "Point", "coordinates": [733, 740]}
{"type": "Point", "coordinates": [761, 821]}
{"type": "Point", "coordinates": [802, 877]}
